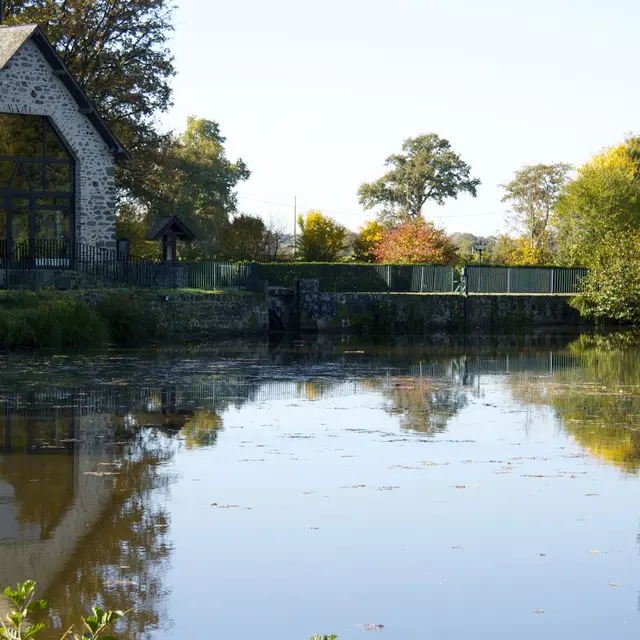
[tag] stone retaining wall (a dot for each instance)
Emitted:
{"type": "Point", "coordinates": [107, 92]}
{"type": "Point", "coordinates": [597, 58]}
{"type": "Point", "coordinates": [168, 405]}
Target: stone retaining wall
{"type": "Point", "coordinates": [193, 316]}
{"type": "Point", "coordinates": [406, 313]}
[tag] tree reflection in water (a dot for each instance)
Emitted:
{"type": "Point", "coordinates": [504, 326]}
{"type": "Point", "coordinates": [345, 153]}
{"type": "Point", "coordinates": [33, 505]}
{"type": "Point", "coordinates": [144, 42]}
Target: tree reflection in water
{"type": "Point", "coordinates": [424, 405]}
{"type": "Point", "coordinates": [597, 402]}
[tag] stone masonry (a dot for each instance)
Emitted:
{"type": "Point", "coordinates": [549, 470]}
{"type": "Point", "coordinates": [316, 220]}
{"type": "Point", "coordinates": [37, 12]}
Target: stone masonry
{"type": "Point", "coordinates": [29, 86]}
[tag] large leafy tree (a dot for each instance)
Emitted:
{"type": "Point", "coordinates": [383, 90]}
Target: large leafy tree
{"type": "Point", "coordinates": [599, 228]}
{"type": "Point", "coordinates": [119, 52]}
{"type": "Point", "coordinates": [415, 241]}
{"type": "Point", "coordinates": [603, 201]}
{"type": "Point", "coordinates": [427, 169]}
{"type": "Point", "coordinates": [193, 179]}
{"type": "Point", "coordinates": [533, 195]}
{"type": "Point", "coordinates": [244, 238]}
{"type": "Point", "coordinates": [321, 239]}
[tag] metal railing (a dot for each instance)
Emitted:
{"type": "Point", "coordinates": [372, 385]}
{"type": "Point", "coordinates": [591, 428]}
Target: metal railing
{"type": "Point", "coordinates": [29, 263]}
{"type": "Point", "coordinates": [32, 263]}
{"type": "Point", "coordinates": [551, 280]}
{"type": "Point", "coordinates": [359, 277]}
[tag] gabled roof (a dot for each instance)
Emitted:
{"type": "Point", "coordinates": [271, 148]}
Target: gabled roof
{"type": "Point", "coordinates": [13, 37]}
{"type": "Point", "coordinates": [172, 224]}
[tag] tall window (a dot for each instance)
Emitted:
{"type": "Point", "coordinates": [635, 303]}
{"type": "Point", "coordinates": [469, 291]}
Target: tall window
{"type": "Point", "coordinates": [36, 184]}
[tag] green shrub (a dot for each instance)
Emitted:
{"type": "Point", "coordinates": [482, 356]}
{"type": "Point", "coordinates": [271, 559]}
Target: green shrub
{"type": "Point", "coordinates": [18, 626]}
{"type": "Point", "coordinates": [128, 322]}
{"type": "Point", "coordinates": [60, 322]}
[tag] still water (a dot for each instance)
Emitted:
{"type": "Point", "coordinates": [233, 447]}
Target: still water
{"type": "Point", "coordinates": [271, 491]}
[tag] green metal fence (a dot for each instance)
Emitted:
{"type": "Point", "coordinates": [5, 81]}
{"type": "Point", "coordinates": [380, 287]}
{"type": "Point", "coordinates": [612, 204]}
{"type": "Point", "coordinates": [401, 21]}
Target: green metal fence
{"type": "Point", "coordinates": [332, 277]}
{"type": "Point", "coordinates": [380, 278]}
{"type": "Point", "coordinates": [360, 277]}
{"type": "Point", "coordinates": [488, 279]}
{"type": "Point", "coordinates": [211, 276]}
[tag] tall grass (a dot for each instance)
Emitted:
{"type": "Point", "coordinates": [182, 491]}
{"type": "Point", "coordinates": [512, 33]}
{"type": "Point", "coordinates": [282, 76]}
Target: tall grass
{"type": "Point", "coordinates": [60, 322]}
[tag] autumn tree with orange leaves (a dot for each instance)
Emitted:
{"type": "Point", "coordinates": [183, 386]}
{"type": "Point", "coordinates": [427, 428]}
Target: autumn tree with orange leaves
{"type": "Point", "coordinates": [415, 242]}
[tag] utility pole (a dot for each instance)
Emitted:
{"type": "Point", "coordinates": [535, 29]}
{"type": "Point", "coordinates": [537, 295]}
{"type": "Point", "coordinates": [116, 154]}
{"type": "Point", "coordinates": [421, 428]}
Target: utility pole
{"type": "Point", "coordinates": [295, 223]}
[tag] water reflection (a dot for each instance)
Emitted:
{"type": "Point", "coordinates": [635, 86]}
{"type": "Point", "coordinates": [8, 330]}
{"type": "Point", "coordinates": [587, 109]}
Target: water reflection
{"type": "Point", "coordinates": [87, 459]}
{"type": "Point", "coordinates": [597, 399]}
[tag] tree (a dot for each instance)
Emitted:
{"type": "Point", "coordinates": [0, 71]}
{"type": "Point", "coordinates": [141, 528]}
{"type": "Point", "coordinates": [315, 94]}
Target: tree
{"type": "Point", "coordinates": [427, 169]}
{"type": "Point", "coordinates": [193, 179]}
{"type": "Point", "coordinates": [321, 239]}
{"type": "Point", "coordinates": [611, 290]}
{"type": "Point", "coordinates": [533, 195]}
{"type": "Point", "coordinates": [118, 51]}
{"type": "Point", "coordinates": [275, 239]}
{"type": "Point", "coordinates": [602, 201]}
{"type": "Point", "coordinates": [132, 225]}
{"type": "Point", "coordinates": [368, 239]}
{"type": "Point", "coordinates": [415, 241]}
{"type": "Point", "coordinates": [244, 238]}
{"type": "Point", "coordinates": [465, 243]}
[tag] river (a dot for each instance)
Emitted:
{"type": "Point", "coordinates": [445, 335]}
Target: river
{"type": "Point", "coordinates": [485, 488]}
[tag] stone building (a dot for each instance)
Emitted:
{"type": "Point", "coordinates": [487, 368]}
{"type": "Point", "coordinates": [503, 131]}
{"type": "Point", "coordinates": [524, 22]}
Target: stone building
{"type": "Point", "coordinates": [57, 154]}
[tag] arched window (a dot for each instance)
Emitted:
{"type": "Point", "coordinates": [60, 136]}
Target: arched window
{"type": "Point", "coordinates": [36, 189]}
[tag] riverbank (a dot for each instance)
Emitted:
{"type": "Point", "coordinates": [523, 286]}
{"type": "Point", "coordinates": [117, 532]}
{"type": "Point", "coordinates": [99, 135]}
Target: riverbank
{"type": "Point", "coordinates": [87, 319]}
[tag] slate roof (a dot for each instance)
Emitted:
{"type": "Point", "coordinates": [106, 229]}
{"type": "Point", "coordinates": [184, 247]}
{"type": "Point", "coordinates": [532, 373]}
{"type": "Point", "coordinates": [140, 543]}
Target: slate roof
{"type": "Point", "coordinates": [162, 226]}
{"type": "Point", "coordinates": [13, 37]}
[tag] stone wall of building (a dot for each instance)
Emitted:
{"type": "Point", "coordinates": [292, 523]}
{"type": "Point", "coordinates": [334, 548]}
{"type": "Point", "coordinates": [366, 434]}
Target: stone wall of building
{"type": "Point", "coordinates": [28, 86]}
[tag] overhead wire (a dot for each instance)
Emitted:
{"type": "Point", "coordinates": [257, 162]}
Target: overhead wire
{"type": "Point", "coordinates": [353, 213]}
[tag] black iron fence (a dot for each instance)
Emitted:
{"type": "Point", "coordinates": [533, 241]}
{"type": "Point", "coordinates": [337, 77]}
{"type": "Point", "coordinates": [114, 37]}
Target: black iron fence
{"type": "Point", "coordinates": [38, 263]}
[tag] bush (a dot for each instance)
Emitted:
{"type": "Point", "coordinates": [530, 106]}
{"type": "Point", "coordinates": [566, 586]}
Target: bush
{"type": "Point", "coordinates": [18, 625]}
{"type": "Point", "coordinates": [59, 322]}
{"type": "Point", "coordinates": [127, 322]}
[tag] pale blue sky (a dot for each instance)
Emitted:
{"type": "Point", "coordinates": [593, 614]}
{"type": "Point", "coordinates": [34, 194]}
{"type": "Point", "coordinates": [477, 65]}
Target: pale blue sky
{"type": "Point", "coordinates": [314, 95]}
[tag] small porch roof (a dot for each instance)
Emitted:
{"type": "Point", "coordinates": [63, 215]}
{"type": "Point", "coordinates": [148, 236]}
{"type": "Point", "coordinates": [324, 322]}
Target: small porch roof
{"type": "Point", "coordinates": [170, 225]}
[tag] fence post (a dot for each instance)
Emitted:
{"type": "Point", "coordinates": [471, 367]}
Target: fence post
{"type": "Point", "coordinates": [553, 272]}
{"type": "Point", "coordinates": [422, 279]}
{"type": "Point", "coordinates": [508, 280]}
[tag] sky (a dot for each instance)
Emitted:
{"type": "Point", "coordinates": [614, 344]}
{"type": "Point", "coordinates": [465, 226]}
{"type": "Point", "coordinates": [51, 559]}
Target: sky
{"type": "Point", "coordinates": [314, 96]}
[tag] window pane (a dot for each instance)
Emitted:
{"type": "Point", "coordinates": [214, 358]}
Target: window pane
{"type": "Point", "coordinates": [58, 177]}
{"type": "Point", "coordinates": [55, 147]}
{"type": "Point", "coordinates": [52, 224]}
{"type": "Point", "coordinates": [34, 172]}
{"type": "Point", "coordinates": [53, 203]}
{"type": "Point", "coordinates": [20, 182]}
{"type": "Point", "coordinates": [3, 232]}
{"type": "Point", "coordinates": [19, 222]}
{"type": "Point", "coordinates": [21, 135]}
{"type": "Point", "coordinates": [6, 171]}
{"type": "Point", "coordinates": [3, 223]}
